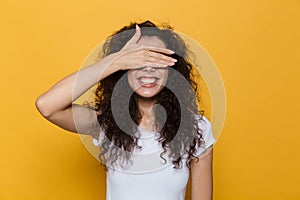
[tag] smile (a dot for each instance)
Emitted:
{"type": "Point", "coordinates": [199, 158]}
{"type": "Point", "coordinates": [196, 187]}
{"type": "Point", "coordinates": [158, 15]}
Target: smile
{"type": "Point", "coordinates": [148, 82]}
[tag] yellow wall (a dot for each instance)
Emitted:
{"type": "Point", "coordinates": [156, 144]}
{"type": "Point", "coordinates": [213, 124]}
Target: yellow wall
{"type": "Point", "coordinates": [254, 43]}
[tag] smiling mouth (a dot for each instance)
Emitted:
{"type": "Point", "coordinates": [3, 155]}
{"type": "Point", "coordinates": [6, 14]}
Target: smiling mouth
{"type": "Point", "coordinates": [148, 81]}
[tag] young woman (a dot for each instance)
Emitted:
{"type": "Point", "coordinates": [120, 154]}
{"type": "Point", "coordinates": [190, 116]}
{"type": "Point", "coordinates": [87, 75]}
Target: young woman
{"type": "Point", "coordinates": [144, 111]}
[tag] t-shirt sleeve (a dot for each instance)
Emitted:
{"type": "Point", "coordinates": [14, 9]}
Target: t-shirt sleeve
{"type": "Point", "coordinates": [98, 141]}
{"type": "Point", "coordinates": [208, 136]}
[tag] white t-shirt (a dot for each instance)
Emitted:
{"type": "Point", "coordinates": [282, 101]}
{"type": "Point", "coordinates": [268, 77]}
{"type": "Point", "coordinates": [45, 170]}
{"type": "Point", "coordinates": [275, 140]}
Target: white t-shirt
{"type": "Point", "coordinates": [147, 177]}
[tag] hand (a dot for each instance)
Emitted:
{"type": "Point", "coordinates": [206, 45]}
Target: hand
{"type": "Point", "coordinates": [134, 55]}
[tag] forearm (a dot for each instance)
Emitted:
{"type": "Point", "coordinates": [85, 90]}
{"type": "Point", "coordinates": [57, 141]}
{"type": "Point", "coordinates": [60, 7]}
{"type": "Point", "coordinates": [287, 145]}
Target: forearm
{"type": "Point", "coordinates": [63, 93]}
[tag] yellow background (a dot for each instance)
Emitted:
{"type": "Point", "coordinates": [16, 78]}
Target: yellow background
{"type": "Point", "coordinates": [254, 43]}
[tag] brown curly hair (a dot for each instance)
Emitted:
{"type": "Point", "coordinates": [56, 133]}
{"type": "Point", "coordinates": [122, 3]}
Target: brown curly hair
{"type": "Point", "coordinates": [189, 135]}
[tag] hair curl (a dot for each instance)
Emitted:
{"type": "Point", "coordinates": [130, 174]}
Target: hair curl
{"type": "Point", "coordinates": [190, 135]}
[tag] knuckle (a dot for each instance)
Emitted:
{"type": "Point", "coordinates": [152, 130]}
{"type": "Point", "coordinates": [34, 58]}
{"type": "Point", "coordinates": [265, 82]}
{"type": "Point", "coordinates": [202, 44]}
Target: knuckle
{"type": "Point", "coordinates": [142, 60]}
{"type": "Point", "coordinates": [145, 52]}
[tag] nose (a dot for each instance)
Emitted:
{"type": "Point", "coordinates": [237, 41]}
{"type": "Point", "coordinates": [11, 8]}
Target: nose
{"type": "Point", "coordinates": [148, 69]}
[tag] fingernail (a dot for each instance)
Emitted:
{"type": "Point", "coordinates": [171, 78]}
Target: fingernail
{"type": "Point", "coordinates": [174, 60]}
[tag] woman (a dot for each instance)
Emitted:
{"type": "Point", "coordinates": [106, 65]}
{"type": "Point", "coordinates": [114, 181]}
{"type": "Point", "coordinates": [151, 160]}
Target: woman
{"type": "Point", "coordinates": [141, 91]}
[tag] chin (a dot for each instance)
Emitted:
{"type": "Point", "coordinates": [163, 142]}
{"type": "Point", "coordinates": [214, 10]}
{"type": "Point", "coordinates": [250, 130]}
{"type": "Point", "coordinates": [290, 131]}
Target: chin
{"type": "Point", "coordinates": [146, 93]}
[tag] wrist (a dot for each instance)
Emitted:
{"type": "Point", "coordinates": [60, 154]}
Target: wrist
{"type": "Point", "coordinates": [108, 65]}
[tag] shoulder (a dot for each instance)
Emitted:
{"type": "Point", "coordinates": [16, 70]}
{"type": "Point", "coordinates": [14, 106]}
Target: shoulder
{"type": "Point", "coordinates": [203, 122]}
{"type": "Point", "coordinates": [207, 134]}
{"type": "Point", "coordinates": [98, 138]}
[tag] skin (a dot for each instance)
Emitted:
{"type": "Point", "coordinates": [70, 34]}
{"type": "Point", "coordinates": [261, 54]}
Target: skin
{"type": "Point", "coordinates": [142, 56]}
{"type": "Point", "coordinates": [147, 92]}
{"type": "Point", "coordinates": [202, 178]}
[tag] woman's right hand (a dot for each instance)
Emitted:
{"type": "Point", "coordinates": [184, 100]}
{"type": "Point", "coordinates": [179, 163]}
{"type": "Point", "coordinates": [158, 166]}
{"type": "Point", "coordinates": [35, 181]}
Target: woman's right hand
{"type": "Point", "coordinates": [134, 55]}
{"type": "Point", "coordinates": [56, 103]}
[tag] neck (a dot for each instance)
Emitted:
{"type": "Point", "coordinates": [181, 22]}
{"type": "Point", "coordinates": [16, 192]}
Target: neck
{"type": "Point", "coordinates": [145, 106]}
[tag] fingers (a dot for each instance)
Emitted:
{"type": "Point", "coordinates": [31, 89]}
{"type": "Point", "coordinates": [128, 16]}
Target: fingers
{"type": "Point", "coordinates": [147, 64]}
{"type": "Point", "coordinates": [148, 56]}
{"type": "Point", "coordinates": [159, 50]}
{"type": "Point", "coordinates": [159, 58]}
{"type": "Point", "coordinates": [154, 63]}
{"type": "Point", "coordinates": [155, 57]}
{"type": "Point", "coordinates": [134, 55]}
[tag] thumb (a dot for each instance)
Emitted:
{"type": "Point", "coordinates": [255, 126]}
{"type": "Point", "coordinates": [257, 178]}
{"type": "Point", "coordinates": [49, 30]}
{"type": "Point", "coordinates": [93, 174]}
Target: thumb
{"type": "Point", "coordinates": [135, 38]}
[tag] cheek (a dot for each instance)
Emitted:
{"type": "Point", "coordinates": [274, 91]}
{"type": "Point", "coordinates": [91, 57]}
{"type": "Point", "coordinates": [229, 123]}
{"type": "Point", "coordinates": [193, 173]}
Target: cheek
{"type": "Point", "coordinates": [164, 77]}
{"type": "Point", "coordinates": [130, 77]}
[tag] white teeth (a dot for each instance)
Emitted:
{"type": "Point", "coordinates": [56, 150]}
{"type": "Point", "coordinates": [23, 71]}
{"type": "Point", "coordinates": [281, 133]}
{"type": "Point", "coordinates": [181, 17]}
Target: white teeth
{"type": "Point", "coordinates": [148, 80]}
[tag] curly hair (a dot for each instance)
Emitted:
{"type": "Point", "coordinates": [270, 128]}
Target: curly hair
{"type": "Point", "coordinates": [188, 134]}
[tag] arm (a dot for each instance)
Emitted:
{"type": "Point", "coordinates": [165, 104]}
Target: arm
{"type": "Point", "coordinates": [56, 103]}
{"type": "Point", "coordinates": [201, 177]}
